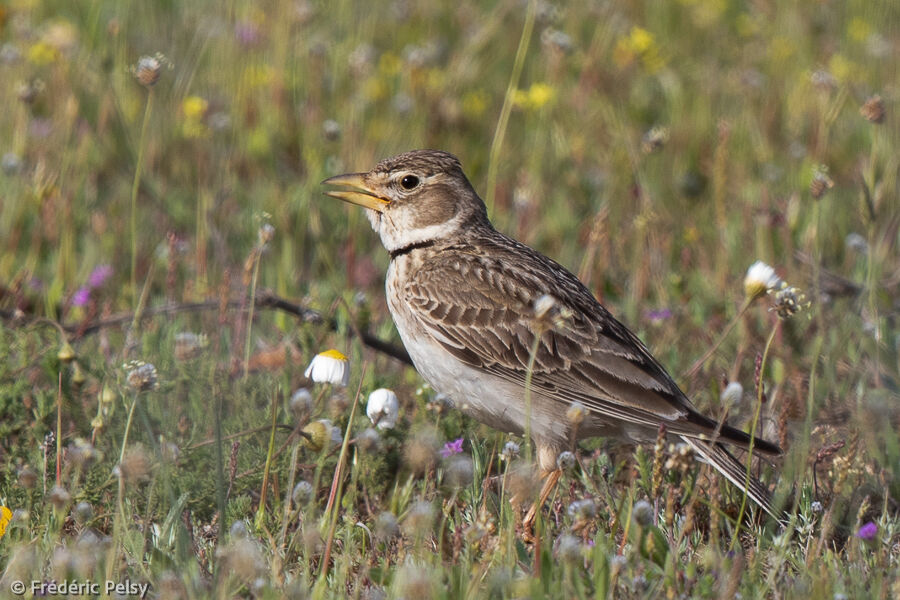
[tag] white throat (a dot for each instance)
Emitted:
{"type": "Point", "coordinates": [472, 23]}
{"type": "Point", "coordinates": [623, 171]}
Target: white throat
{"type": "Point", "coordinates": [397, 229]}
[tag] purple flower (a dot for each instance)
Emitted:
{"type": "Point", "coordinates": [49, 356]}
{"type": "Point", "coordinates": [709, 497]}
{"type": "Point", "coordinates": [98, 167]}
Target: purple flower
{"type": "Point", "coordinates": [451, 448]}
{"type": "Point", "coordinates": [99, 276]}
{"type": "Point", "coordinates": [81, 296]}
{"type": "Point", "coordinates": [247, 34]}
{"type": "Point", "coordinates": [657, 316]}
{"type": "Point", "coordinates": [867, 531]}
{"type": "Point", "coordinates": [40, 128]}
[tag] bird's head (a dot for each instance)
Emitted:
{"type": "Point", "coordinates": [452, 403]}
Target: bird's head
{"type": "Point", "coordinates": [415, 197]}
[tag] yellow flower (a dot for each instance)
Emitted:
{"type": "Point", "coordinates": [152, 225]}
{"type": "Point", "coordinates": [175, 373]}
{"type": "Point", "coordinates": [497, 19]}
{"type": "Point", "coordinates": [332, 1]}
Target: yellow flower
{"type": "Point", "coordinates": [5, 518]}
{"type": "Point", "coordinates": [638, 44]}
{"type": "Point", "coordinates": [781, 49]}
{"type": "Point", "coordinates": [258, 142]}
{"type": "Point", "coordinates": [389, 64]}
{"type": "Point", "coordinates": [535, 98]}
{"type": "Point", "coordinates": [746, 25]}
{"type": "Point", "coordinates": [42, 53]}
{"type": "Point", "coordinates": [841, 67]}
{"type": "Point", "coordinates": [474, 103]}
{"type": "Point", "coordinates": [640, 40]}
{"type": "Point", "coordinates": [858, 29]}
{"type": "Point", "coordinates": [540, 94]}
{"type": "Point", "coordinates": [258, 76]}
{"type": "Point", "coordinates": [194, 107]}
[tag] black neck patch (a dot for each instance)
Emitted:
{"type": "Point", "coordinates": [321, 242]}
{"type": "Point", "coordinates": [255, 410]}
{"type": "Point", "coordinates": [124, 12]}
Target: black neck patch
{"type": "Point", "coordinates": [414, 246]}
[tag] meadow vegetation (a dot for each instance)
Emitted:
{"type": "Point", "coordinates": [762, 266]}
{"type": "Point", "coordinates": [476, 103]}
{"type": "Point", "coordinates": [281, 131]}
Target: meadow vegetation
{"type": "Point", "coordinates": [169, 268]}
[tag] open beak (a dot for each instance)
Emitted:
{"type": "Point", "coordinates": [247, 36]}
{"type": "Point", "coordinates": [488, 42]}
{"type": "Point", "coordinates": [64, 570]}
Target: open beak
{"type": "Point", "coordinates": [358, 193]}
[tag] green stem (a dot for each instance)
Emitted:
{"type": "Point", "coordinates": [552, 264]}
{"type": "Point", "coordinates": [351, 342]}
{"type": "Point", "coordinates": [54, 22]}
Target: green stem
{"type": "Point", "coordinates": [127, 429]}
{"type": "Point", "coordinates": [334, 498]}
{"type": "Point", "coordinates": [261, 511]}
{"type": "Point", "coordinates": [134, 193]}
{"type": "Point", "coordinates": [529, 371]}
{"type": "Point", "coordinates": [502, 122]}
{"type": "Point", "coordinates": [753, 426]}
{"type": "Point", "coordinates": [258, 252]}
{"type": "Point", "coordinates": [702, 360]}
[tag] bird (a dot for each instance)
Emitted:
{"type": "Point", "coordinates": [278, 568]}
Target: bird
{"type": "Point", "coordinates": [512, 337]}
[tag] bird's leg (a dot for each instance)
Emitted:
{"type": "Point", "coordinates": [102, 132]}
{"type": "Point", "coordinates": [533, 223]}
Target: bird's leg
{"type": "Point", "coordinates": [550, 481]}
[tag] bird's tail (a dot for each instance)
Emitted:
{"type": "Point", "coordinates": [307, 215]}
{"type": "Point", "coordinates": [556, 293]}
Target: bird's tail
{"type": "Point", "coordinates": [734, 471]}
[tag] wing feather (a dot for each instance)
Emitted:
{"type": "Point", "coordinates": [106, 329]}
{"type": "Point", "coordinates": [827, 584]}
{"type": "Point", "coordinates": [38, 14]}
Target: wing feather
{"type": "Point", "coordinates": [478, 306]}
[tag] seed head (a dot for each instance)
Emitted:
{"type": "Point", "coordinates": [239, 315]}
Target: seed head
{"type": "Point", "coordinates": [382, 408]}
{"type": "Point", "coordinates": [582, 510]}
{"type": "Point", "coordinates": [655, 139]}
{"type": "Point", "coordinates": [141, 376]}
{"type": "Point", "coordinates": [135, 466]}
{"type": "Point", "coordinates": [576, 414]}
{"type": "Point", "coordinates": [147, 70]}
{"type": "Point", "coordinates": [266, 234]}
{"type": "Point", "coordinates": [301, 403]}
{"type": "Point", "coordinates": [415, 581]}
{"type": "Point", "coordinates": [523, 481]}
{"type": "Point", "coordinates": [550, 313]}
{"type": "Point", "coordinates": [368, 440]}
{"type": "Point", "coordinates": [59, 497]}
{"type": "Point", "coordinates": [789, 301]}
{"type": "Point", "coordinates": [873, 110]}
{"type": "Point", "coordinates": [820, 183]}
{"type": "Point", "coordinates": [302, 492]}
{"type": "Point", "coordinates": [823, 80]}
{"type": "Point", "coordinates": [543, 306]}
{"type": "Point", "coordinates": [420, 519]}
{"type": "Point", "coordinates": [565, 460]}
{"type": "Point", "coordinates": [568, 548]}
{"type": "Point", "coordinates": [510, 451]}
{"type": "Point", "coordinates": [421, 452]}
{"type": "Point", "coordinates": [331, 129]}
{"type": "Point", "coordinates": [458, 471]}
{"type": "Point", "coordinates": [189, 345]}
{"type": "Point", "coordinates": [238, 529]}
{"type": "Point", "coordinates": [732, 394]}
{"type": "Point", "coordinates": [82, 453]}
{"type": "Point", "coordinates": [386, 526]}
{"type": "Point", "coordinates": [27, 477]}
{"type": "Point", "coordinates": [83, 512]}
{"type": "Point", "coordinates": [242, 557]}
{"type": "Point", "coordinates": [642, 513]}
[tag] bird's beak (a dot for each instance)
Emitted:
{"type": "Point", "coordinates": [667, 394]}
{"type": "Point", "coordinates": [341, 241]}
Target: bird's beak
{"type": "Point", "coordinates": [359, 194]}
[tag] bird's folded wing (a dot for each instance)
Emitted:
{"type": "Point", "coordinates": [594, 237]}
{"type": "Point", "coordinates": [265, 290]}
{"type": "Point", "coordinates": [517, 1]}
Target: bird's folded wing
{"type": "Point", "coordinates": [482, 314]}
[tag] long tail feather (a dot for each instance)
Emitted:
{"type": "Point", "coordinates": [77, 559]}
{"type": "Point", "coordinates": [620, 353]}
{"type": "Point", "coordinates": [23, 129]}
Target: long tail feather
{"type": "Point", "coordinates": [735, 472]}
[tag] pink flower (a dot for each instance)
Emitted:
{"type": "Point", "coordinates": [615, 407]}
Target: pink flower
{"type": "Point", "coordinates": [99, 276]}
{"type": "Point", "coordinates": [81, 296]}
{"type": "Point", "coordinates": [451, 448]}
{"type": "Point", "coordinates": [867, 531]}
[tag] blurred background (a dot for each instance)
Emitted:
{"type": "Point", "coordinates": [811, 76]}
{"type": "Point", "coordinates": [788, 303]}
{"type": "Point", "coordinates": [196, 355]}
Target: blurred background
{"type": "Point", "coordinates": [656, 149]}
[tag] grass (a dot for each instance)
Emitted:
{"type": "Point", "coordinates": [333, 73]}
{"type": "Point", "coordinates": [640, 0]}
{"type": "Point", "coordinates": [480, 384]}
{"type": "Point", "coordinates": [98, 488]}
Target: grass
{"type": "Point", "coordinates": [657, 149]}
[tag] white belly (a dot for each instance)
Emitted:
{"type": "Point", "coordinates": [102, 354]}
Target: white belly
{"type": "Point", "coordinates": [485, 397]}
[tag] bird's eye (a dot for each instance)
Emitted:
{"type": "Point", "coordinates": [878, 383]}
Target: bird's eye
{"type": "Point", "coordinates": [409, 182]}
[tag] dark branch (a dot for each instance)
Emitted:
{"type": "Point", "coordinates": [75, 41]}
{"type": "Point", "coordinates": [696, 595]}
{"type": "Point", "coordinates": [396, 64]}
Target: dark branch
{"type": "Point", "coordinates": [264, 301]}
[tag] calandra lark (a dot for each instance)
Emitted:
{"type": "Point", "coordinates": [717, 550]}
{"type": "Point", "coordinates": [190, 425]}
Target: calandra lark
{"type": "Point", "coordinates": [475, 307]}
